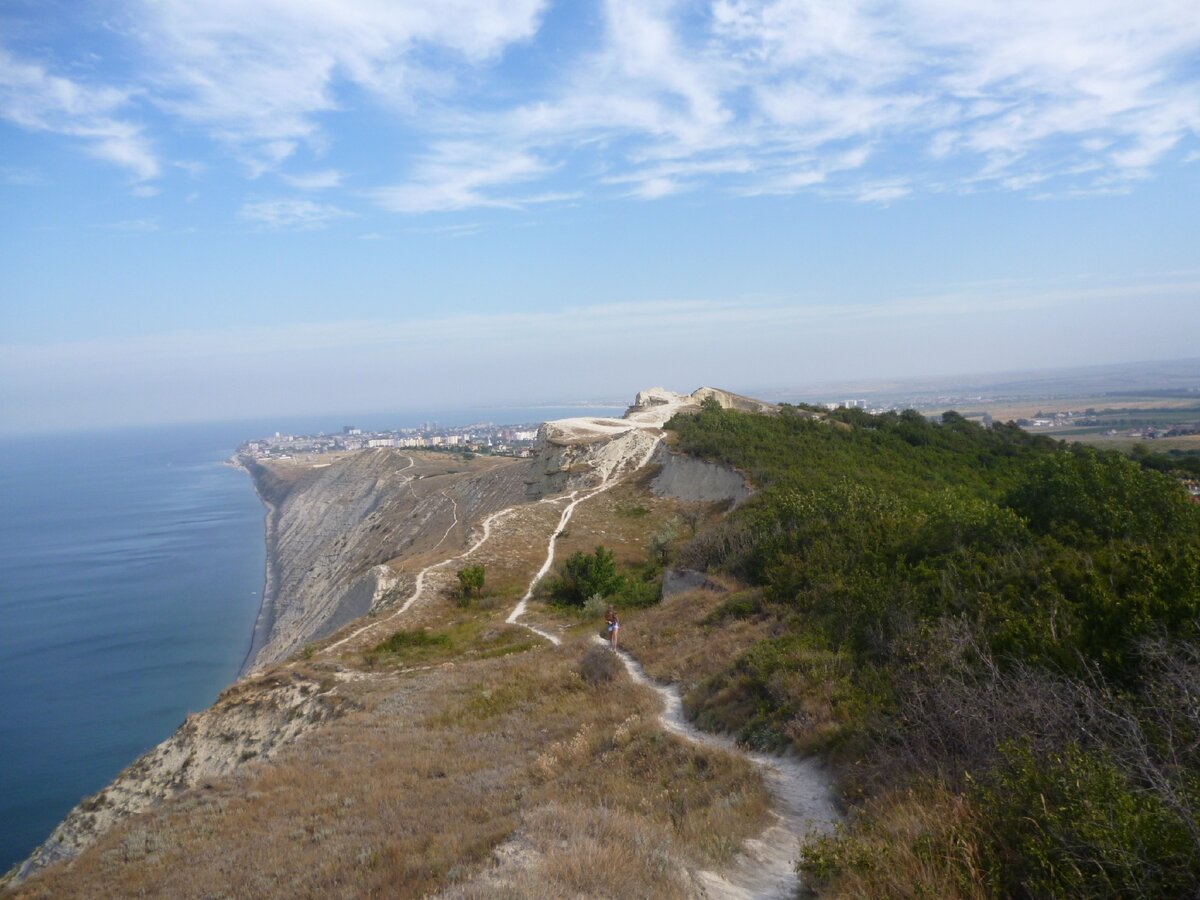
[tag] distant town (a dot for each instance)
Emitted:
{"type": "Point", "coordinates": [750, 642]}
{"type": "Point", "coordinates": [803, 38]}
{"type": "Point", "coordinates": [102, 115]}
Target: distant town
{"type": "Point", "coordinates": [480, 438]}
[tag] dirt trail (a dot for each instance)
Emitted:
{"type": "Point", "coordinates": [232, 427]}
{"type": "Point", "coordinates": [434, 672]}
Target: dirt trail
{"type": "Point", "coordinates": [766, 867]}
{"type": "Point", "coordinates": [610, 479]}
{"type": "Point", "coordinates": [419, 583]}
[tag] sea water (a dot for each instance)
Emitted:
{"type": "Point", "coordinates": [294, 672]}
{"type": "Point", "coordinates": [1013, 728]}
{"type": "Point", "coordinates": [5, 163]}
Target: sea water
{"type": "Point", "coordinates": [130, 566]}
{"type": "Point", "coordinates": [130, 569]}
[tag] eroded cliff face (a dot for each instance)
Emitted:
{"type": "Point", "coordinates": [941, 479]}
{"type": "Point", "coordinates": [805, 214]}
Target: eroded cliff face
{"type": "Point", "coordinates": [577, 454]}
{"type": "Point", "coordinates": [342, 534]}
{"type": "Point", "coordinates": [250, 720]}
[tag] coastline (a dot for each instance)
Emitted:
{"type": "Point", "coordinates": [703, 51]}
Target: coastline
{"type": "Point", "coordinates": [265, 619]}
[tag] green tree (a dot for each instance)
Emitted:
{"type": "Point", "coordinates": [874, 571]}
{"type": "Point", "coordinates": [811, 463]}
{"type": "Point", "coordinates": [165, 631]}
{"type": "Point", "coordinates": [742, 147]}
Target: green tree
{"type": "Point", "coordinates": [585, 575]}
{"type": "Point", "coordinates": [470, 582]}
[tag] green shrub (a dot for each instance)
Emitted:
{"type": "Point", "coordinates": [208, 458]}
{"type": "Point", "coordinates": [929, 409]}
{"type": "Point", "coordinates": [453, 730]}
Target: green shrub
{"type": "Point", "coordinates": [638, 593]}
{"type": "Point", "coordinates": [1073, 824]}
{"type": "Point", "coordinates": [739, 605]}
{"type": "Point", "coordinates": [405, 644]}
{"type": "Point", "coordinates": [584, 575]}
{"type": "Point", "coordinates": [470, 581]}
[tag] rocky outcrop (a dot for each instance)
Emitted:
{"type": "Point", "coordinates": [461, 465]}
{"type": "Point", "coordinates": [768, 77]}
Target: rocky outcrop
{"type": "Point", "coordinates": [580, 453]}
{"type": "Point", "coordinates": [697, 480]}
{"type": "Point", "coordinates": [733, 401]}
{"type": "Point", "coordinates": [250, 720]}
{"type": "Point", "coordinates": [678, 581]}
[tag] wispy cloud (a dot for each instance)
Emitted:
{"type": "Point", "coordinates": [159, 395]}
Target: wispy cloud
{"type": "Point", "coordinates": [455, 230]}
{"type": "Point", "coordinates": [291, 214]}
{"type": "Point", "coordinates": [33, 98]}
{"type": "Point", "coordinates": [20, 175]}
{"type": "Point", "coordinates": [850, 98]}
{"type": "Point", "coordinates": [462, 175]}
{"type": "Point", "coordinates": [259, 74]}
{"type": "Point", "coordinates": [315, 181]}
{"type": "Point", "coordinates": [149, 223]}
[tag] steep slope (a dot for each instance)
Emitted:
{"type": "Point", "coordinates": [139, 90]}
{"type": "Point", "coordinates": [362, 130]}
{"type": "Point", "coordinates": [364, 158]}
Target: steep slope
{"type": "Point", "coordinates": [251, 720]}
{"type": "Point", "coordinates": [340, 533]}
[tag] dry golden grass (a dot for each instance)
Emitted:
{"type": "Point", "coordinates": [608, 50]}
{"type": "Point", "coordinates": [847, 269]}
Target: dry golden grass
{"type": "Point", "coordinates": [413, 791]}
{"type": "Point", "coordinates": [622, 519]}
{"type": "Point", "coordinates": [672, 644]}
{"type": "Point", "coordinates": [574, 850]}
{"type": "Point", "coordinates": [908, 846]}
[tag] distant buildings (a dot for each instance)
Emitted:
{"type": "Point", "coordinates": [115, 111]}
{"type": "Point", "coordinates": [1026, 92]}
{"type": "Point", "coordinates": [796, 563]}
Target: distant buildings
{"type": "Point", "coordinates": [503, 440]}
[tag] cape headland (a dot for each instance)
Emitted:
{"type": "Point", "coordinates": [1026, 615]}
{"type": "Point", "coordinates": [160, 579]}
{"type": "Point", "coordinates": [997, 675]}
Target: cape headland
{"type": "Point", "coordinates": [361, 544]}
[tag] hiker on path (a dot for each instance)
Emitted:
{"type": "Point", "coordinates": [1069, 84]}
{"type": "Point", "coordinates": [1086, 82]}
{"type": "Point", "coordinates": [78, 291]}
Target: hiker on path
{"type": "Point", "coordinates": [614, 626]}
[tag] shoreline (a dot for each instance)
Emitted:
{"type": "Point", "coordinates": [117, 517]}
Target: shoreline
{"type": "Point", "coordinates": [265, 619]}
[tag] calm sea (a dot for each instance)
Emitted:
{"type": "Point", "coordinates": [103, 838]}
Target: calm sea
{"type": "Point", "coordinates": [130, 569]}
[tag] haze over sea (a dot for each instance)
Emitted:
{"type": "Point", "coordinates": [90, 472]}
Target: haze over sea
{"type": "Point", "coordinates": [130, 569]}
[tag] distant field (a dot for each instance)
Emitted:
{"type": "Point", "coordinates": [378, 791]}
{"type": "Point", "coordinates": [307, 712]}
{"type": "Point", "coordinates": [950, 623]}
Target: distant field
{"type": "Point", "coordinates": [1120, 413]}
{"type": "Point", "coordinates": [1168, 408]}
{"type": "Point", "coordinates": [1122, 441]}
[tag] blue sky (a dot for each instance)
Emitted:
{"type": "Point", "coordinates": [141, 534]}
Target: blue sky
{"type": "Point", "coordinates": [243, 207]}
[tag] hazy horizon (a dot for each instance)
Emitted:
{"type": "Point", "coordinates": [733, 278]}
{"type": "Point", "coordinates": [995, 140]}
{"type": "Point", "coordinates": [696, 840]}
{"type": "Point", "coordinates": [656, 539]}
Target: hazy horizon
{"type": "Point", "coordinates": [1146, 374]}
{"type": "Point", "coordinates": [230, 210]}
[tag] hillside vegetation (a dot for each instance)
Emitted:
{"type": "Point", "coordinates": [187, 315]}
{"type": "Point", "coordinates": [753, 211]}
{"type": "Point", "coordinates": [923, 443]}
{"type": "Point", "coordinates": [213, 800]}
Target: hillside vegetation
{"type": "Point", "coordinates": [993, 635]}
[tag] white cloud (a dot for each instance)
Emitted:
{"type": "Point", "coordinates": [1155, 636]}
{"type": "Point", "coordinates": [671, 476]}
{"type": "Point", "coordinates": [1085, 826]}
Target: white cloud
{"type": "Point", "coordinates": [259, 73]}
{"type": "Point", "coordinates": [461, 175]}
{"type": "Point", "coordinates": [36, 100]}
{"type": "Point", "coordinates": [772, 97]}
{"type": "Point", "coordinates": [291, 214]}
{"type": "Point", "coordinates": [749, 96]}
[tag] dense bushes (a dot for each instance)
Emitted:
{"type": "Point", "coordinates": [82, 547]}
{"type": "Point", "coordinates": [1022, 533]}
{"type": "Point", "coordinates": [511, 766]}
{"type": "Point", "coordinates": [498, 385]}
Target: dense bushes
{"type": "Point", "coordinates": [585, 576]}
{"type": "Point", "coordinates": [1074, 823]}
{"type": "Point", "coordinates": [974, 605]}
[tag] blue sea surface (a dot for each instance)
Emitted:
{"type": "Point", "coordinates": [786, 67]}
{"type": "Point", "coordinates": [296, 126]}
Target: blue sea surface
{"type": "Point", "coordinates": [130, 566]}
{"type": "Point", "coordinates": [130, 569]}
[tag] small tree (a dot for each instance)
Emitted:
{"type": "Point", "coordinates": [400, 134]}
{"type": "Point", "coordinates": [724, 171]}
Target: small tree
{"type": "Point", "coordinates": [585, 575]}
{"type": "Point", "coordinates": [470, 581]}
{"type": "Point", "coordinates": [659, 546]}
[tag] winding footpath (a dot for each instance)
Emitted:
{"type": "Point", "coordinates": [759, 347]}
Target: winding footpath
{"type": "Point", "coordinates": [419, 583]}
{"type": "Point", "coordinates": [802, 790]}
{"type": "Point", "coordinates": [804, 804]}
{"type": "Point", "coordinates": [514, 618]}
{"type": "Point", "coordinates": [766, 867]}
